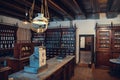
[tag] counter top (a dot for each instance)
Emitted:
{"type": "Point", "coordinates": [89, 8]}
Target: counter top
{"type": "Point", "coordinates": [53, 65]}
{"type": "Point", "coordinates": [116, 61]}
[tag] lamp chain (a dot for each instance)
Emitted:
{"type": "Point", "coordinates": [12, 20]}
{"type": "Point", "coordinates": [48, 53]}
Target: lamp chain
{"type": "Point", "coordinates": [31, 11]}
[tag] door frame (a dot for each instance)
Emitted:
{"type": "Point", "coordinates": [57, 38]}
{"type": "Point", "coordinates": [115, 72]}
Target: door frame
{"type": "Point", "coordinates": [92, 50]}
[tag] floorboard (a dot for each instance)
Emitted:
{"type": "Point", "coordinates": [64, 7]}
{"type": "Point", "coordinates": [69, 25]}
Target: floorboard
{"type": "Point", "coordinates": [87, 73]}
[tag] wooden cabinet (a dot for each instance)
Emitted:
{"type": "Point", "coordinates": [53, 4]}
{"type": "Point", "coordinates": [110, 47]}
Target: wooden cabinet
{"type": "Point", "coordinates": [60, 41]}
{"type": "Point", "coordinates": [107, 43]}
{"type": "Point", "coordinates": [57, 41]}
{"type": "Point", "coordinates": [103, 45]}
{"type": "Point", "coordinates": [69, 70]}
{"type": "Point", "coordinates": [56, 70]}
{"type": "Point", "coordinates": [116, 38]}
{"type": "Point", "coordinates": [7, 39]}
{"type": "Point", "coordinates": [38, 38]}
{"type": "Point", "coordinates": [103, 38]}
{"type": "Point", "coordinates": [68, 41]}
{"type": "Point", "coordinates": [22, 51]}
{"type": "Point", "coordinates": [115, 41]}
{"type": "Point", "coordinates": [17, 64]}
{"type": "Point", "coordinates": [103, 58]}
{"type": "Point", "coordinates": [115, 54]}
{"type": "Point", "coordinates": [53, 42]}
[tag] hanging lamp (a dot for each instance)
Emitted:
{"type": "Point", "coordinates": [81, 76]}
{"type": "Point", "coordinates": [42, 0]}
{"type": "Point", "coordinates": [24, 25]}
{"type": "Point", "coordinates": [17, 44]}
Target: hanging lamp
{"type": "Point", "coordinates": [39, 24]}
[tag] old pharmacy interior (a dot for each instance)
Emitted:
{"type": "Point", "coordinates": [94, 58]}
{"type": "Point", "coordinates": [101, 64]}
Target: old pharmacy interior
{"type": "Point", "coordinates": [59, 40]}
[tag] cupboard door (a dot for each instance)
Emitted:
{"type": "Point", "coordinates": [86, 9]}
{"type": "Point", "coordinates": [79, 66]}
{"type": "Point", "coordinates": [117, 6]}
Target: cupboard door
{"type": "Point", "coordinates": [103, 59]}
{"type": "Point", "coordinates": [38, 38]}
{"type": "Point", "coordinates": [116, 40]}
{"type": "Point", "coordinates": [115, 55]}
{"type": "Point", "coordinates": [103, 40]}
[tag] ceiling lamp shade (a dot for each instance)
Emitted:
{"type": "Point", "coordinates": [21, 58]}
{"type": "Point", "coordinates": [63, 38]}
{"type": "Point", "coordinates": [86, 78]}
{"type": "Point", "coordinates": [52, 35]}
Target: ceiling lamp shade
{"type": "Point", "coordinates": [39, 24]}
{"type": "Point", "coordinates": [40, 19]}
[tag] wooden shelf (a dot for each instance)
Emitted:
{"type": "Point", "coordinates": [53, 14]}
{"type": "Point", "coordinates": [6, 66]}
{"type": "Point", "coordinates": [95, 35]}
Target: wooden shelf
{"type": "Point", "coordinates": [22, 51]}
{"type": "Point", "coordinates": [60, 41]}
{"type": "Point", "coordinates": [107, 44]}
{"type": "Point", "coordinates": [7, 39]}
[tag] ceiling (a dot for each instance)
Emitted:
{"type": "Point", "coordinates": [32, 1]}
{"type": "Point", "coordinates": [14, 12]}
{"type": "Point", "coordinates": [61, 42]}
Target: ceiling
{"type": "Point", "coordinates": [61, 9]}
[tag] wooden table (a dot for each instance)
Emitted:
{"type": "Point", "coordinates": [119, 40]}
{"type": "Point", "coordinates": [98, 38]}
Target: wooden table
{"type": "Point", "coordinates": [56, 70]}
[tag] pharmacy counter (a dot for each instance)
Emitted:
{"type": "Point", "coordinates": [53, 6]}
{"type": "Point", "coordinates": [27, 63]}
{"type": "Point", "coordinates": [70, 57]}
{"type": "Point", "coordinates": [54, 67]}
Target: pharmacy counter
{"type": "Point", "coordinates": [56, 70]}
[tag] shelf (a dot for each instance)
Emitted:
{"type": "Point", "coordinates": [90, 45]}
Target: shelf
{"type": "Point", "coordinates": [116, 38]}
{"type": "Point", "coordinates": [57, 41]}
{"type": "Point", "coordinates": [60, 41]}
{"type": "Point", "coordinates": [7, 38]}
{"type": "Point", "coordinates": [107, 43]}
{"type": "Point", "coordinates": [38, 38]}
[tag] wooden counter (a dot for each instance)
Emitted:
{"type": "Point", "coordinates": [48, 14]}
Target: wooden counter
{"type": "Point", "coordinates": [57, 70]}
{"type": "Point", "coordinates": [4, 72]}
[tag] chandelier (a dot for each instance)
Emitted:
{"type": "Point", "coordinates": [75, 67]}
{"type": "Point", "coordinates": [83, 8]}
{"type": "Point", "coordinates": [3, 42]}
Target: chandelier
{"type": "Point", "coordinates": [39, 24]}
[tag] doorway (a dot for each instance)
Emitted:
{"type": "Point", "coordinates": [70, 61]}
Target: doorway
{"type": "Point", "coordinates": [86, 50]}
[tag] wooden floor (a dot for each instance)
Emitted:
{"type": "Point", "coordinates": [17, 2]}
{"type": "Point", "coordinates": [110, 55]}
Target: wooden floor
{"type": "Point", "coordinates": [86, 73]}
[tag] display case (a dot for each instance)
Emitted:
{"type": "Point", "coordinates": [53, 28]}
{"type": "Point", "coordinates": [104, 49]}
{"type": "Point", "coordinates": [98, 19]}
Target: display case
{"type": "Point", "coordinates": [103, 39]}
{"type": "Point", "coordinates": [116, 38]}
{"type": "Point", "coordinates": [103, 45]}
{"type": "Point", "coordinates": [7, 39]}
{"type": "Point", "coordinates": [60, 41]}
{"type": "Point", "coordinates": [68, 40]}
{"type": "Point", "coordinates": [53, 42]}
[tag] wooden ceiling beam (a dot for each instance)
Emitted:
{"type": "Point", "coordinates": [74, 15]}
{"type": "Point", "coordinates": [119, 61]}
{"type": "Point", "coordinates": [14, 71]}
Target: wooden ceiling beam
{"type": "Point", "coordinates": [78, 7]}
{"type": "Point", "coordinates": [59, 9]}
{"type": "Point", "coordinates": [113, 5]}
{"type": "Point", "coordinates": [82, 7]}
{"type": "Point", "coordinates": [13, 13]}
{"type": "Point", "coordinates": [12, 6]}
{"type": "Point", "coordinates": [70, 5]}
{"type": "Point", "coordinates": [96, 6]}
{"type": "Point", "coordinates": [55, 14]}
{"type": "Point", "coordinates": [109, 5]}
{"type": "Point", "coordinates": [17, 8]}
{"type": "Point", "coordinates": [28, 4]}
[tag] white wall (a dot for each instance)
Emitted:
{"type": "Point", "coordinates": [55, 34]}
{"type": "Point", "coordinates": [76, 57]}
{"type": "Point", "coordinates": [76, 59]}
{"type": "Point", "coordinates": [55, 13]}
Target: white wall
{"type": "Point", "coordinates": [13, 21]}
{"type": "Point", "coordinates": [59, 23]}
